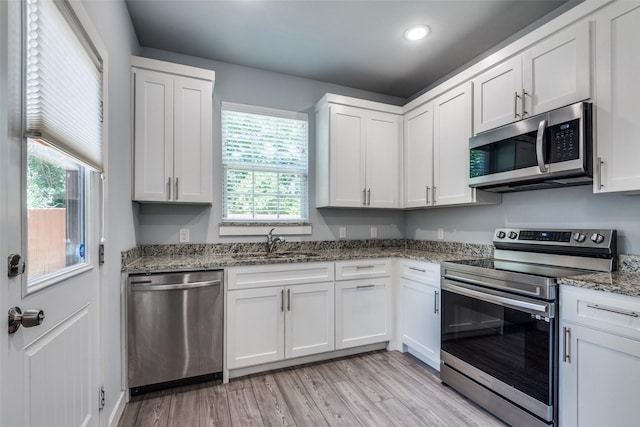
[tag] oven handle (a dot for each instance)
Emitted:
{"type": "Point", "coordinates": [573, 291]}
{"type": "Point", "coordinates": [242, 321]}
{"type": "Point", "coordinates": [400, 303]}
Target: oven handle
{"type": "Point", "coordinates": [529, 307]}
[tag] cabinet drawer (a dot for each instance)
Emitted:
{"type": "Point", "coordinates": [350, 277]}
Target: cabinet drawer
{"type": "Point", "coordinates": [427, 273]}
{"type": "Point", "coordinates": [260, 276]}
{"type": "Point", "coordinates": [618, 314]}
{"type": "Point", "coordinates": [363, 269]}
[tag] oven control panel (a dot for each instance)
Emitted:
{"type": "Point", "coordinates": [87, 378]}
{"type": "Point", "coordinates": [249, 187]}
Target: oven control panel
{"type": "Point", "coordinates": [555, 237]}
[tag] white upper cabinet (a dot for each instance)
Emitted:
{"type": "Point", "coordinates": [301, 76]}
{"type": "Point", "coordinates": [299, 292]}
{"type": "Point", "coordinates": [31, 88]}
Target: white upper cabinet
{"type": "Point", "coordinates": [553, 73]}
{"type": "Point", "coordinates": [617, 93]}
{"type": "Point", "coordinates": [451, 133]}
{"type": "Point", "coordinates": [418, 157]}
{"type": "Point", "coordinates": [357, 156]}
{"type": "Point", "coordinates": [173, 134]}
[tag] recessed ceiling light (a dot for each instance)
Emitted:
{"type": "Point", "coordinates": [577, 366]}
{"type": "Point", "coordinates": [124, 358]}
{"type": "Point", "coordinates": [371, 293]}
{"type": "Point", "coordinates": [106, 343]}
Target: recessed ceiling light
{"type": "Point", "coordinates": [416, 32]}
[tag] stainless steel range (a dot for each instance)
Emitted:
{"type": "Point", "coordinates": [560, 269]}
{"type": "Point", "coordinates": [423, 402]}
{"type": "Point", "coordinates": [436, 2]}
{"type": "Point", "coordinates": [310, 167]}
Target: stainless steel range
{"type": "Point", "coordinates": [499, 318]}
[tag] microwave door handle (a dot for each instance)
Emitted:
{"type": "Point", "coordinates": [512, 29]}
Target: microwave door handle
{"type": "Point", "coordinates": [540, 146]}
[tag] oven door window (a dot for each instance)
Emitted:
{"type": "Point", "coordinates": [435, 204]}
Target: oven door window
{"type": "Point", "coordinates": [510, 345]}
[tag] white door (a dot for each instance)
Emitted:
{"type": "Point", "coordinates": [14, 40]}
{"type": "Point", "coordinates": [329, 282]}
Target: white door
{"type": "Point", "coordinates": [451, 133]}
{"type": "Point", "coordinates": [193, 140]}
{"type": "Point", "coordinates": [382, 160]}
{"type": "Point", "coordinates": [49, 372]}
{"type": "Point", "coordinates": [497, 96]}
{"type": "Point", "coordinates": [309, 319]}
{"type": "Point", "coordinates": [418, 157]}
{"type": "Point", "coordinates": [346, 156]}
{"type": "Point", "coordinates": [255, 326]}
{"type": "Point", "coordinates": [421, 319]}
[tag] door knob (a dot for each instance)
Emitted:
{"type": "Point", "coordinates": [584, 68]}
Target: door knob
{"type": "Point", "coordinates": [28, 319]}
{"type": "Point", "coordinates": [16, 265]}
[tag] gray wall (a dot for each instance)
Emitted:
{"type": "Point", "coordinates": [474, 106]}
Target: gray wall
{"type": "Point", "coordinates": [111, 20]}
{"type": "Point", "coordinates": [575, 207]}
{"type": "Point", "coordinates": [160, 224]}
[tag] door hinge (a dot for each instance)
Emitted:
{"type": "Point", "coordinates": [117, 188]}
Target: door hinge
{"type": "Point", "coordinates": [101, 253]}
{"type": "Point", "coordinates": [101, 397]}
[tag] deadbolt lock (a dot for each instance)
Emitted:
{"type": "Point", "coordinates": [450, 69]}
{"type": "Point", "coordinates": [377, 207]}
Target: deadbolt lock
{"type": "Point", "coordinates": [16, 265]}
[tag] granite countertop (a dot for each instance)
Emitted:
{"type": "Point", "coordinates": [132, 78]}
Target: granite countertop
{"type": "Point", "coordinates": [178, 262]}
{"type": "Point", "coordinates": [618, 282]}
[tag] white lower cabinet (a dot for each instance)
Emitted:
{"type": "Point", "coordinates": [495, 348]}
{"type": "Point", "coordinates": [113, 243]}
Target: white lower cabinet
{"type": "Point", "coordinates": [271, 324]}
{"type": "Point", "coordinates": [363, 312]}
{"type": "Point", "coordinates": [419, 310]}
{"type": "Point", "coordinates": [599, 359]}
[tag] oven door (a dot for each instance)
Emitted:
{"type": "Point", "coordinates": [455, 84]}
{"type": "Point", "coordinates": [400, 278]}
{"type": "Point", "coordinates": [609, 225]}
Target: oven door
{"type": "Point", "coordinates": [502, 341]}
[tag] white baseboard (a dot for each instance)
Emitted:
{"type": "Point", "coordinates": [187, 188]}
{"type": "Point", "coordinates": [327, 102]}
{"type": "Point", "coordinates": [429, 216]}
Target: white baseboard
{"type": "Point", "coordinates": [118, 409]}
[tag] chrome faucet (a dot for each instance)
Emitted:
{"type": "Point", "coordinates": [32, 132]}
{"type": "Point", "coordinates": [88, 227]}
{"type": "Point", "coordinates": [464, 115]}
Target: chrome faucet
{"type": "Point", "coordinates": [271, 241]}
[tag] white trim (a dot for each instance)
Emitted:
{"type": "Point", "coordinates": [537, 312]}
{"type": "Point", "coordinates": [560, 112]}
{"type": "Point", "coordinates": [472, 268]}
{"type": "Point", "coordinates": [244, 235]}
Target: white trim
{"type": "Point", "coordinates": [356, 102]}
{"type": "Point", "coordinates": [263, 230]}
{"type": "Point", "coordinates": [265, 111]}
{"type": "Point", "coordinates": [172, 68]}
{"type": "Point", "coordinates": [118, 410]}
{"type": "Point", "coordinates": [59, 276]}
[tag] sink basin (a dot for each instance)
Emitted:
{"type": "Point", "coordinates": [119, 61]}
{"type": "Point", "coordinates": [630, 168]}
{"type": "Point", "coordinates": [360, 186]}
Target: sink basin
{"type": "Point", "coordinates": [274, 255]}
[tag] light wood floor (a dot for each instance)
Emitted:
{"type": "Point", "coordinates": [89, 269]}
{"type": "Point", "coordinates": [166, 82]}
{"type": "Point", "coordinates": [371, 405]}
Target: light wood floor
{"type": "Point", "coordinates": [374, 389]}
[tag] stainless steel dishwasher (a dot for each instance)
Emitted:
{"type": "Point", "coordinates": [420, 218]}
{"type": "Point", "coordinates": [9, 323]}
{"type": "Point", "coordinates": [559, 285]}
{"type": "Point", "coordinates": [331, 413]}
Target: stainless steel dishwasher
{"type": "Point", "coordinates": [174, 326]}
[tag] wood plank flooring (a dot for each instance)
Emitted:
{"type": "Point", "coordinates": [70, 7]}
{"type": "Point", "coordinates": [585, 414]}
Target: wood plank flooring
{"type": "Point", "coordinates": [372, 389]}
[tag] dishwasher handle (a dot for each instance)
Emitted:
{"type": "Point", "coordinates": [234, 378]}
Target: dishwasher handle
{"type": "Point", "coordinates": [174, 286]}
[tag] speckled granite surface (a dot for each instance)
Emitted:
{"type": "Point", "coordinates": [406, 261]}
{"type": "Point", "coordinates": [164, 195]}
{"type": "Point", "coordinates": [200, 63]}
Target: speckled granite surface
{"type": "Point", "coordinates": [211, 256]}
{"type": "Point", "coordinates": [159, 258]}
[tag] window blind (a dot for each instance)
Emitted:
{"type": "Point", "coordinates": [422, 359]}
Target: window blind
{"type": "Point", "coordinates": [63, 82]}
{"type": "Point", "coordinates": [265, 162]}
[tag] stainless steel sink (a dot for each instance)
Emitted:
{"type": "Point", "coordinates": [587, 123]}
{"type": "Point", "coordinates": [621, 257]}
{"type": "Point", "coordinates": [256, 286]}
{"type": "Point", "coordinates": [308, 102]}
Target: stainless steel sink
{"type": "Point", "coordinates": [274, 255]}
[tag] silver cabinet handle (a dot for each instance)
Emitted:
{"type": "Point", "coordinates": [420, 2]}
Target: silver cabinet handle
{"type": "Point", "coordinates": [436, 297]}
{"type": "Point", "coordinates": [369, 197]}
{"type": "Point", "coordinates": [421, 270]}
{"type": "Point", "coordinates": [288, 299]}
{"type": "Point", "coordinates": [282, 300]}
{"type": "Point", "coordinates": [614, 310]}
{"type": "Point", "coordinates": [169, 189]}
{"type": "Point", "coordinates": [365, 286]}
{"type": "Point", "coordinates": [361, 267]}
{"type": "Point", "coordinates": [599, 164]}
{"type": "Point", "coordinates": [539, 145]}
{"type": "Point", "coordinates": [176, 192]}
{"type": "Point", "coordinates": [515, 106]}
{"type": "Point", "coordinates": [566, 351]}
{"type": "Point", "coordinates": [434, 194]}
{"type": "Point", "coordinates": [364, 197]}
{"type": "Point", "coordinates": [524, 93]}
{"type": "Point", "coordinates": [427, 199]}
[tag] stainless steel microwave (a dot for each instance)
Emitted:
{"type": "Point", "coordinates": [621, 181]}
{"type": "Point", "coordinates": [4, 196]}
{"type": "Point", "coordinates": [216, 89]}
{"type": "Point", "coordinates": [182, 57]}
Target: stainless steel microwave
{"type": "Point", "coordinates": [549, 150]}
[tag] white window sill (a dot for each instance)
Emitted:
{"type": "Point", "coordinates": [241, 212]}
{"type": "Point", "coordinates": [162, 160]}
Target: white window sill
{"type": "Point", "coordinates": [261, 229]}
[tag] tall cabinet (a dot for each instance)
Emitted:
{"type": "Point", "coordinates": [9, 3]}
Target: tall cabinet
{"type": "Point", "coordinates": [357, 153]}
{"type": "Point", "coordinates": [173, 134]}
{"type": "Point", "coordinates": [617, 92]}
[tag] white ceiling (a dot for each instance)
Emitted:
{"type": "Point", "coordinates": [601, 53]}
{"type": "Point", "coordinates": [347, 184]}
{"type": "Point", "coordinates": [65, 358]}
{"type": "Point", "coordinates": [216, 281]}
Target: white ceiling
{"type": "Point", "coordinates": [356, 43]}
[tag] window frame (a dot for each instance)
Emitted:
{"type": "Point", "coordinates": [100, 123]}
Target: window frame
{"type": "Point", "coordinates": [230, 226]}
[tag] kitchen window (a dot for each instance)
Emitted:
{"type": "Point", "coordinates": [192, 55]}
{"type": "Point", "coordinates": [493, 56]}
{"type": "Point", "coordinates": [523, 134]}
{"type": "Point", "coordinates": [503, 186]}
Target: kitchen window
{"type": "Point", "coordinates": [63, 139]}
{"type": "Point", "coordinates": [265, 163]}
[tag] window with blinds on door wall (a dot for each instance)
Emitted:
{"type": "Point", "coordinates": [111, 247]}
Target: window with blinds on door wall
{"type": "Point", "coordinates": [265, 163]}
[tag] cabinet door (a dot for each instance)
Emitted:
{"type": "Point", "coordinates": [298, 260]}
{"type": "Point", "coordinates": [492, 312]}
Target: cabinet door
{"type": "Point", "coordinates": [193, 140]}
{"type": "Point", "coordinates": [346, 157]}
{"type": "Point", "coordinates": [255, 326]}
{"type": "Point", "coordinates": [420, 314]}
{"type": "Point", "coordinates": [618, 91]}
{"type": "Point", "coordinates": [418, 157]}
{"type": "Point", "coordinates": [557, 72]}
{"type": "Point", "coordinates": [309, 320]}
{"type": "Point", "coordinates": [363, 312]}
{"type": "Point", "coordinates": [382, 166]}
{"type": "Point", "coordinates": [452, 129]}
{"type": "Point", "coordinates": [496, 96]}
{"type": "Point", "coordinates": [599, 381]}
{"type": "Point", "coordinates": [153, 124]}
